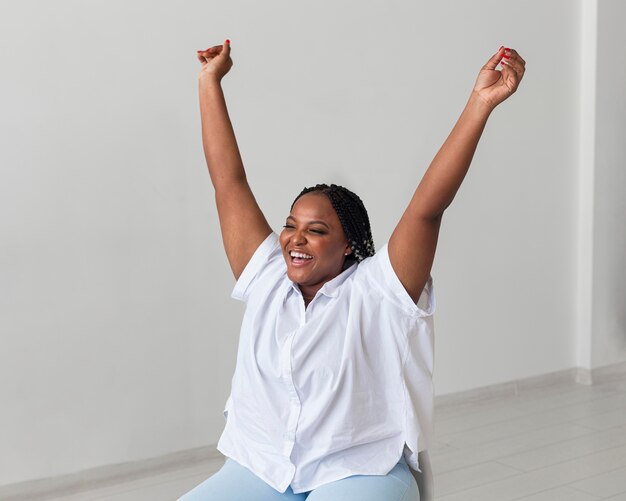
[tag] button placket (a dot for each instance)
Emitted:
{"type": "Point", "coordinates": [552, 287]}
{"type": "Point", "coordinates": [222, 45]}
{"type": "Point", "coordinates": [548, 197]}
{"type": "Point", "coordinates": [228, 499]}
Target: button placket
{"type": "Point", "coordinates": [294, 401]}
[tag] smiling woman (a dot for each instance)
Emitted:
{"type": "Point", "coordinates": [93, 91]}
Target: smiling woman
{"type": "Point", "coordinates": [327, 231]}
{"type": "Point", "coordinates": [332, 395]}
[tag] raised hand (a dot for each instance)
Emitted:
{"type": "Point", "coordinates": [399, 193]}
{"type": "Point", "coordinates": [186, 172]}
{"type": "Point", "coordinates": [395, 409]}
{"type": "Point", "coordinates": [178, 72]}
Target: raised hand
{"type": "Point", "coordinates": [243, 225]}
{"type": "Point", "coordinates": [494, 86]}
{"type": "Point", "coordinates": [216, 61]}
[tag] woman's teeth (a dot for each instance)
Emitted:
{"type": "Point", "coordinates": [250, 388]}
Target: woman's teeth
{"type": "Point", "coordinates": [300, 255]}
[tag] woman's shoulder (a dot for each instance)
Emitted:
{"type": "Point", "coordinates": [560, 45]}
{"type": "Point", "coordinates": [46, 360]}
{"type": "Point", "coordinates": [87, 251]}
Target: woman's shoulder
{"type": "Point", "coordinates": [265, 268]}
{"type": "Point", "coordinates": [378, 273]}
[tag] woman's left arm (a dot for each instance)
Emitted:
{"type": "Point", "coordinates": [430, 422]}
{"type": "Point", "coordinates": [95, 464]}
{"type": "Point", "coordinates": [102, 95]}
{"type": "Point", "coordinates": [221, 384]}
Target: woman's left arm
{"type": "Point", "coordinates": [414, 240]}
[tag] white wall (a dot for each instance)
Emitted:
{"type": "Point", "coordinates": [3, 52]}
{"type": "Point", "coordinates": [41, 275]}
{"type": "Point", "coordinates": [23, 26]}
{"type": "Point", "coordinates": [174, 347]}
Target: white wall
{"type": "Point", "coordinates": [118, 334]}
{"type": "Point", "coordinates": [505, 260]}
{"type": "Point", "coordinates": [609, 257]}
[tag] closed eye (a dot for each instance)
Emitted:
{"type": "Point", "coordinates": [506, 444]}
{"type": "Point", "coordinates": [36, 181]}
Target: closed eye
{"type": "Point", "coordinates": [312, 230]}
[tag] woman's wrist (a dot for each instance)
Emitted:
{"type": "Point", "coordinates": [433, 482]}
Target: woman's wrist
{"type": "Point", "coordinates": [478, 106]}
{"type": "Point", "coordinates": [209, 80]}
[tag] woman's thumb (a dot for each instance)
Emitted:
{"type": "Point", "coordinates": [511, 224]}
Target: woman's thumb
{"type": "Point", "coordinates": [226, 49]}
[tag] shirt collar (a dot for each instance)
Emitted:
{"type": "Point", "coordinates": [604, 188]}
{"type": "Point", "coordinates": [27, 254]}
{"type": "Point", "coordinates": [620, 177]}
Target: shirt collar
{"type": "Point", "coordinates": [330, 288]}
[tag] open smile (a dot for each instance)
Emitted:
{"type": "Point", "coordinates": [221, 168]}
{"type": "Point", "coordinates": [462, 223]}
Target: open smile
{"type": "Point", "coordinates": [300, 258]}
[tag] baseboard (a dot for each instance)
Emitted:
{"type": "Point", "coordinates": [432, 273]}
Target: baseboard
{"type": "Point", "coordinates": [600, 375]}
{"type": "Point", "coordinates": [578, 375]}
{"type": "Point", "coordinates": [105, 476]}
{"type": "Point", "coordinates": [584, 376]}
{"type": "Point", "coordinates": [506, 389]}
{"type": "Point", "coordinates": [608, 373]}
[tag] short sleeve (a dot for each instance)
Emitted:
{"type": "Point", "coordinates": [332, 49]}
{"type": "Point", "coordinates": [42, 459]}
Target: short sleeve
{"type": "Point", "coordinates": [267, 253]}
{"type": "Point", "coordinates": [383, 274]}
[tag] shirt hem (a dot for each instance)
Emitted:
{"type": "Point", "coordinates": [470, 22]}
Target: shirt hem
{"type": "Point", "coordinates": [315, 485]}
{"type": "Point", "coordinates": [244, 463]}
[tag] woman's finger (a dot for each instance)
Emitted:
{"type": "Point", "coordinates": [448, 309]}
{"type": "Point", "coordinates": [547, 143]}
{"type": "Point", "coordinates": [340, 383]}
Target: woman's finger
{"type": "Point", "coordinates": [511, 77]}
{"type": "Point", "coordinates": [216, 50]}
{"type": "Point", "coordinates": [515, 55]}
{"type": "Point", "coordinates": [225, 51]}
{"type": "Point", "coordinates": [514, 61]}
{"type": "Point", "coordinates": [516, 65]}
{"type": "Point", "coordinates": [494, 60]}
{"type": "Point", "coordinates": [511, 68]}
{"type": "Point", "coordinates": [218, 56]}
{"type": "Point", "coordinates": [211, 51]}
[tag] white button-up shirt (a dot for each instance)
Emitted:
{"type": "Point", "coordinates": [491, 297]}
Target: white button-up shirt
{"type": "Point", "coordinates": [341, 388]}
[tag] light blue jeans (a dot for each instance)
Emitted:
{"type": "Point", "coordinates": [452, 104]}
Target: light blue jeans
{"type": "Point", "coordinates": [236, 483]}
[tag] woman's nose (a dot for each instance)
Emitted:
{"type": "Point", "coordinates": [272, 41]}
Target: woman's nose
{"type": "Point", "coordinates": [298, 237]}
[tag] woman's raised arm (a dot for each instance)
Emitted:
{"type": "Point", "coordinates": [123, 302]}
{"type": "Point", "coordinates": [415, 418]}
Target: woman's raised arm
{"type": "Point", "coordinates": [414, 240]}
{"type": "Point", "coordinates": [242, 222]}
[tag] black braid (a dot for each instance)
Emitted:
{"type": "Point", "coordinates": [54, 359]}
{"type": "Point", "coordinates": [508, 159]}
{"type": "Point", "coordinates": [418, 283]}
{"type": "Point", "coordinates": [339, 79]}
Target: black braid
{"type": "Point", "coordinates": [353, 217]}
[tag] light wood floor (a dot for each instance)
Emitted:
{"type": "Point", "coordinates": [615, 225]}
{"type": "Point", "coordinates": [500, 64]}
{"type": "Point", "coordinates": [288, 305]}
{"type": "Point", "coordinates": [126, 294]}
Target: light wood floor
{"type": "Point", "coordinates": [559, 442]}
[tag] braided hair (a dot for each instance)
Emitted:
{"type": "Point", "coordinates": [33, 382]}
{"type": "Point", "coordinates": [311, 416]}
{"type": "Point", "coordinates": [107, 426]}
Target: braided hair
{"type": "Point", "coordinates": [353, 217]}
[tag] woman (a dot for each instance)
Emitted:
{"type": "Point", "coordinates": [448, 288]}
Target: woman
{"type": "Point", "coordinates": [332, 394]}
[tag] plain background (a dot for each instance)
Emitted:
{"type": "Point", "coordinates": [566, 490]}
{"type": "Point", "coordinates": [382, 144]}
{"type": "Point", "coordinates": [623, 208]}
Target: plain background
{"type": "Point", "coordinates": [118, 336]}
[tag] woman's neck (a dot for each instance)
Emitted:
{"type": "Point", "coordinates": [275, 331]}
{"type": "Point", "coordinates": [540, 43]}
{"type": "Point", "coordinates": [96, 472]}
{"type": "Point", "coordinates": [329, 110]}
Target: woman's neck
{"type": "Point", "coordinates": [309, 292]}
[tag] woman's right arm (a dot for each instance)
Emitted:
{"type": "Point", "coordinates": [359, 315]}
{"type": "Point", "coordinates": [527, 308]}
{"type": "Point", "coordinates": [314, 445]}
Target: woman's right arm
{"type": "Point", "coordinates": [243, 225]}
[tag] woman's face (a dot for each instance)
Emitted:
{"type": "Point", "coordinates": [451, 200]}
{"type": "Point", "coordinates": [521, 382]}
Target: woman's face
{"type": "Point", "coordinates": [313, 242]}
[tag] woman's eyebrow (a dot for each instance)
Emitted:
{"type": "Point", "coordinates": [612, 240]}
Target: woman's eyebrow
{"type": "Point", "coordinates": [319, 222]}
{"type": "Point", "coordinates": [316, 221]}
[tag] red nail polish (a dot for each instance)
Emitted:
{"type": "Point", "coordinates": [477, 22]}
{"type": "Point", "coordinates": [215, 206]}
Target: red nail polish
{"type": "Point", "coordinates": [506, 57]}
{"type": "Point", "coordinates": [228, 42]}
